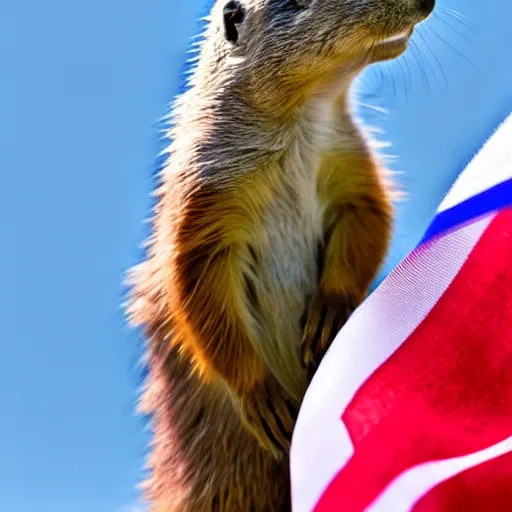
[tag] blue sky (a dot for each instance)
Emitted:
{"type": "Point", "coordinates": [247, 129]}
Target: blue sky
{"type": "Point", "coordinates": [81, 87]}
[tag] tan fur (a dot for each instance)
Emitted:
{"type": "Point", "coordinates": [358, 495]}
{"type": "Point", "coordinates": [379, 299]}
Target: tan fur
{"type": "Point", "coordinates": [272, 211]}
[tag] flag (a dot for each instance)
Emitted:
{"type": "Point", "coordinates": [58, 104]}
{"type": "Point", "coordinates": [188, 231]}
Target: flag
{"type": "Point", "coordinates": [411, 407]}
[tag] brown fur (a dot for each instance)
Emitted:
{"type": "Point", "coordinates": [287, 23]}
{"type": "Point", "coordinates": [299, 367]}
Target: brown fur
{"type": "Point", "coordinates": [273, 210]}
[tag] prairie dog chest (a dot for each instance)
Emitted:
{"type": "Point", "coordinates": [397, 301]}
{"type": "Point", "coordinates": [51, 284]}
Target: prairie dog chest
{"type": "Point", "coordinates": [294, 229]}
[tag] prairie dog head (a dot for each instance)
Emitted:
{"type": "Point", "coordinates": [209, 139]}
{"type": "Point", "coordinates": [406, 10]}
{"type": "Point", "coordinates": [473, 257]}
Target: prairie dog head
{"type": "Point", "coordinates": [285, 34]}
{"type": "Point", "coordinates": [318, 28]}
{"type": "Point", "coordinates": [290, 46]}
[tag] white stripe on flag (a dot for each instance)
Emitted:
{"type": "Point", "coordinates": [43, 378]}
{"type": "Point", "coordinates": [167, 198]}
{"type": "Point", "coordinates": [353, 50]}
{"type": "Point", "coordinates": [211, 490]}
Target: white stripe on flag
{"type": "Point", "coordinates": [492, 165]}
{"type": "Point", "coordinates": [321, 445]}
{"type": "Point", "coordinates": [410, 486]}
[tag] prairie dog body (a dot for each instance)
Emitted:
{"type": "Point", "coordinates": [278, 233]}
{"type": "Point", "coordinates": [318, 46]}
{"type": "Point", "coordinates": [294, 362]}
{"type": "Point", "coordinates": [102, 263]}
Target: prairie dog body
{"type": "Point", "coordinates": [273, 218]}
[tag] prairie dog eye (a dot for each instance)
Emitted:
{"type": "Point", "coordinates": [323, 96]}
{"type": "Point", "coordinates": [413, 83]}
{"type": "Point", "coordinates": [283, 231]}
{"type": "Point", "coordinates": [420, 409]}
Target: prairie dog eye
{"type": "Point", "coordinates": [298, 4]}
{"type": "Point", "coordinates": [234, 14]}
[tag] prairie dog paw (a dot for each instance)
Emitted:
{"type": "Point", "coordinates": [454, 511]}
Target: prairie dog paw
{"type": "Point", "coordinates": [270, 417]}
{"type": "Point", "coordinates": [325, 317]}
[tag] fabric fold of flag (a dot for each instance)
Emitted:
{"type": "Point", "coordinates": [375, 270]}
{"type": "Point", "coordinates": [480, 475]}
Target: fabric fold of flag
{"type": "Point", "coordinates": [411, 408]}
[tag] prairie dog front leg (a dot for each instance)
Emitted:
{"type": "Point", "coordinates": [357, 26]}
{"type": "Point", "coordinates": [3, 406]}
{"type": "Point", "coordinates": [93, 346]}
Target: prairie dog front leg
{"type": "Point", "coordinates": [216, 309]}
{"type": "Point", "coordinates": [357, 228]}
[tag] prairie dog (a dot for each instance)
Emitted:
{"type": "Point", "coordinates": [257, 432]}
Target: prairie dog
{"type": "Point", "coordinates": [273, 217]}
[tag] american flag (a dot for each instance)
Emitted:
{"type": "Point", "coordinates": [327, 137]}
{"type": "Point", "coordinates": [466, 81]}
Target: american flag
{"type": "Point", "coordinates": [411, 408]}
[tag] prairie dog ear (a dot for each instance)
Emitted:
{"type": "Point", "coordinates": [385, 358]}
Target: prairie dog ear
{"type": "Point", "coordinates": [233, 15]}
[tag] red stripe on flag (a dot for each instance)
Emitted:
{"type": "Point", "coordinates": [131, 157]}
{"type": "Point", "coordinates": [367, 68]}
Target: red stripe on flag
{"type": "Point", "coordinates": [447, 391]}
{"type": "Point", "coordinates": [484, 488]}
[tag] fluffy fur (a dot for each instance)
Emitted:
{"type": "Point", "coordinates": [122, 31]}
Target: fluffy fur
{"type": "Point", "coordinates": [272, 219]}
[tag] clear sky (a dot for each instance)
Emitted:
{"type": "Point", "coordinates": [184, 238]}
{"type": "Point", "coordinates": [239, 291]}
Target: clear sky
{"type": "Point", "coordinates": [81, 86]}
